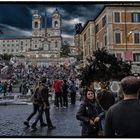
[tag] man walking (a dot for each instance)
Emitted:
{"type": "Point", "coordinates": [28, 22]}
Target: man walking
{"type": "Point", "coordinates": [123, 118]}
{"type": "Point", "coordinates": [43, 105]}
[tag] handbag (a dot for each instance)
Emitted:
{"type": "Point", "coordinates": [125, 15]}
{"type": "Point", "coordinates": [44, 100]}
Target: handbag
{"type": "Point", "coordinates": [93, 129]}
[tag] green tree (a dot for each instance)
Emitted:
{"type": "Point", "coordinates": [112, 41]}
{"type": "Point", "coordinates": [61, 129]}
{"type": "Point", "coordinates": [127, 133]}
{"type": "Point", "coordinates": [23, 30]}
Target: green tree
{"type": "Point", "coordinates": [6, 56]}
{"type": "Point", "coordinates": [104, 67]}
{"type": "Point", "coordinates": [65, 49]}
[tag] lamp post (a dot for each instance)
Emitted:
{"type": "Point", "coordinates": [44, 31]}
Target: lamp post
{"type": "Point", "coordinates": [125, 30]}
{"type": "Point", "coordinates": [128, 54]}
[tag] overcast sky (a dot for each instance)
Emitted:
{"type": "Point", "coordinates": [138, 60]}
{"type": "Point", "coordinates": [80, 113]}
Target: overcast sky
{"type": "Point", "coordinates": [16, 18]}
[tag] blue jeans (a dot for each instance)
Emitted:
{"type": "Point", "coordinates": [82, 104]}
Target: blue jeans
{"type": "Point", "coordinates": [47, 114]}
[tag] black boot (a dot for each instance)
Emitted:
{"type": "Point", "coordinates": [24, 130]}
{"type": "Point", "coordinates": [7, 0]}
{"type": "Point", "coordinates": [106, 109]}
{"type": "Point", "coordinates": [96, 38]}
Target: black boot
{"type": "Point", "coordinates": [43, 124]}
{"type": "Point", "coordinates": [26, 123]}
{"type": "Point", "coordinates": [51, 127]}
{"type": "Point", "coordinates": [34, 126]}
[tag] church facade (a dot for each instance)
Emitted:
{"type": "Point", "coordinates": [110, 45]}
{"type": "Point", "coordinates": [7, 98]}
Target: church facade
{"type": "Point", "coordinates": [43, 47]}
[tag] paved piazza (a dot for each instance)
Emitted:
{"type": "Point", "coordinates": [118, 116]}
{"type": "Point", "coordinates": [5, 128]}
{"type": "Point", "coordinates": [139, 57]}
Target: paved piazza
{"type": "Point", "coordinates": [13, 116]}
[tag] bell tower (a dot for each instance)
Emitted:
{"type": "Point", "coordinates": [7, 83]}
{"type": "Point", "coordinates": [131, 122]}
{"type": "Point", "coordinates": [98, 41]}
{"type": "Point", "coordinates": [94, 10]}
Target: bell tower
{"type": "Point", "coordinates": [56, 20]}
{"type": "Point", "coordinates": [36, 23]}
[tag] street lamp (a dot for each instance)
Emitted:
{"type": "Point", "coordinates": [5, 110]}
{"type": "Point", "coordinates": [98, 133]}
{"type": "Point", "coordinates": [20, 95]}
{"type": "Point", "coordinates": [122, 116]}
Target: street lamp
{"type": "Point", "coordinates": [129, 33]}
{"type": "Point", "coordinates": [128, 54]}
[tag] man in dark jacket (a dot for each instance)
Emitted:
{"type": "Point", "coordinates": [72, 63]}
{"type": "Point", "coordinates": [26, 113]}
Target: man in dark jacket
{"type": "Point", "coordinates": [123, 118]}
{"type": "Point", "coordinates": [43, 105]}
{"type": "Point", "coordinates": [72, 89]}
{"type": "Point", "coordinates": [65, 93]}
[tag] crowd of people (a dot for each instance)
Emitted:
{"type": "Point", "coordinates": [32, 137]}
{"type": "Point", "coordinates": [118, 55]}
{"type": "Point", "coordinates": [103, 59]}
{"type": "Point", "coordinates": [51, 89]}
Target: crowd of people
{"type": "Point", "coordinates": [6, 87]}
{"type": "Point", "coordinates": [25, 76]}
{"type": "Point", "coordinates": [46, 81]}
{"type": "Point", "coordinates": [100, 113]}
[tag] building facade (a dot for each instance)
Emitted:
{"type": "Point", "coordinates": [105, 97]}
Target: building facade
{"type": "Point", "coordinates": [43, 46]}
{"type": "Point", "coordinates": [78, 43]}
{"type": "Point", "coordinates": [117, 28]}
{"type": "Point", "coordinates": [87, 38]}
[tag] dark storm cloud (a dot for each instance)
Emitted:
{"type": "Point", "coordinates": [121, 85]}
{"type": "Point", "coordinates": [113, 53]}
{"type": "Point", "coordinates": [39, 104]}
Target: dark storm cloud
{"type": "Point", "coordinates": [16, 18]}
{"type": "Point", "coordinates": [15, 15]}
{"type": "Point", "coordinates": [82, 10]}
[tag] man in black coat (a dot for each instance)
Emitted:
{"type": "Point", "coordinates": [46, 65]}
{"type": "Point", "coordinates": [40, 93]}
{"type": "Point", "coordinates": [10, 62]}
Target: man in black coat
{"type": "Point", "coordinates": [123, 118]}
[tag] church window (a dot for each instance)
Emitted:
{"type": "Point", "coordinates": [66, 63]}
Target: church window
{"type": "Point", "coordinates": [56, 24]}
{"type": "Point", "coordinates": [36, 24]}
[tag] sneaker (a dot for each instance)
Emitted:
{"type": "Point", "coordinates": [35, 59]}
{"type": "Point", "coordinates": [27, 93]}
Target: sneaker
{"type": "Point", "coordinates": [33, 127]}
{"type": "Point", "coordinates": [51, 127]}
{"type": "Point", "coordinates": [43, 125]}
{"type": "Point", "coordinates": [26, 123]}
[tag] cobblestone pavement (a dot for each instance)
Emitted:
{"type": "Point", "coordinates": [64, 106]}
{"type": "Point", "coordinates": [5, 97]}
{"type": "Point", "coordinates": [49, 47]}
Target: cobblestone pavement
{"type": "Point", "coordinates": [13, 116]}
